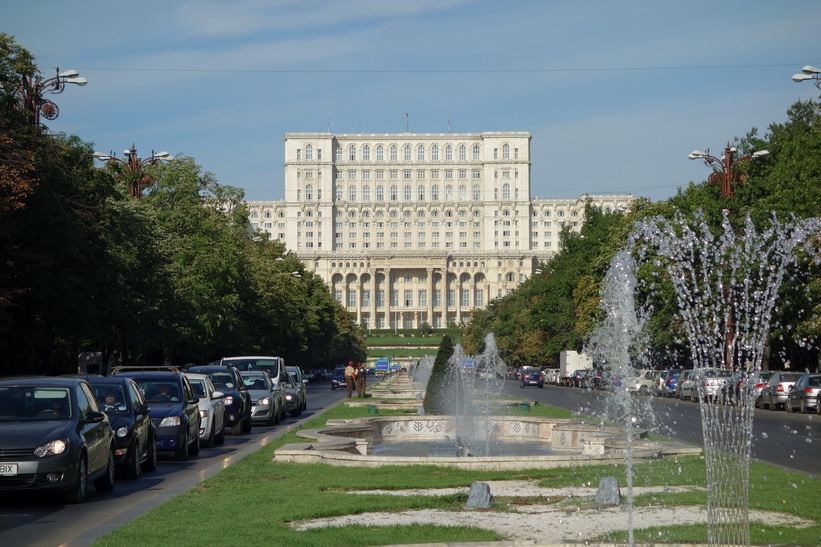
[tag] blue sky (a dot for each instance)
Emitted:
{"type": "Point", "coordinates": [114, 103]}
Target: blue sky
{"type": "Point", "coordinates": [615, 94]}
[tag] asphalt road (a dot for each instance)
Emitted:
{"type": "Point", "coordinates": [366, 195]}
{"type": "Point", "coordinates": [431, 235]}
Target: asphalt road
{"type": "Point", "coordinates": [35, 521]}
{"type": "Point", "coordinates": [788, 440]}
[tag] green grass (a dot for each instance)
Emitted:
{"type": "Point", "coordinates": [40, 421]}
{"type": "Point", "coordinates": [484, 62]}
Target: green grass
{"type": "Point", "coordinates": [253, 500]}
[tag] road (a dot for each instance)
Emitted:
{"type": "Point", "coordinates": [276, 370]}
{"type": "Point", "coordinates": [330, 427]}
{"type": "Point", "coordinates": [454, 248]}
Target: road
{"type": "Point", "coordinates": [788, 440]}
{"type": "Point", "coordinates": [34, 521]}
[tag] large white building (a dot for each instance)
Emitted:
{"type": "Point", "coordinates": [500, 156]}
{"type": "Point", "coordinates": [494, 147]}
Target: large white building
{"type": "Point", "coordinates": [409, 228]}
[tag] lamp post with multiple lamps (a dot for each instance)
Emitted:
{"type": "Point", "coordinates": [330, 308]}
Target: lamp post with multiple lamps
{"type": "Point", "coordinates": [809, 72]}
{"type": "Point", "coordinates": [725, 172]}
{"type": "Point", "coordinates": [725, 168]}
{"type": "Point", "coordinates": [135, 174]}
{"type": "Point", "coordinates": [31, 91]}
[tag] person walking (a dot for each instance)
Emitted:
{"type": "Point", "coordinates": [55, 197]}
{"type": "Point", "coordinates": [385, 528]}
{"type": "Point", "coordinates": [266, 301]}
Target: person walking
{"type": "Point", "coordinates": [350, 376]}
{"type": "Point", "coordinates": [360, 381]}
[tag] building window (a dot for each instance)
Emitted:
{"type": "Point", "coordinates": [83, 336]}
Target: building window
{"type": "Point", "coordinates": [462, 152]}
{"type": "Point", "coordinates": [352, 193]}
{"type": "Point", "coordinates": [309, 192]}
{"type": "Point", "coordinates": [434, 192]}
{"type": "Point", "coordinates": [434, 152]}
{"type": "Point", "coordinates": [437, 298]}
{"type": "Point", "coordinates": [506, 191]}
{"type": "Point", "coordinates": [406, 152]}
{"type": "Point", "coordinates": [476, 152]}
{"type": "Point", "coordinates": [463, 173]}
{"type": "Point", "coordinates": [380, 297]}
{"type": "Point", "coordinates": [338, 296]}
{"type": "Point", "coordinates": [463, 192]}
{"type": "Point", "coordinates": [448, 153]}
{"type": "Point", "coordinates": [351, 174]}
{"type": "Point", "coordinates": [420, 153]}
{"type": "Point", "coordinates": [352, 152]}
{"type": "Point", "coordinates": [420, 190]}
{"type": "Point", "coordinates": [366, 193]}
{"type": "Point", "coordinates": [395, 297]}
{"type": "Point", "coordinates": [448, 193]}
{"type": "Point", "coordinates": [380, 193]}
{"type": "Point", "coordinates": [479, 298]}
{"type": "Point", "coordinates": [380, 153]}
{"type": "Point", "coordinates": [408, 195]}
{"type": "Point", "coordinates": [394, 192]}
{"type": "Point", "coordinates": [477, 193]}
{"type": "Point", "coordinates": [309, 152]}
{"type": "Point", "coordinates": [465, 298]}
{"type": "Point", "coordinates": [406, 174]}
{"type": "Point", "coordinates": [451, 297]}
{"type": "Point", "coordinates": [477, 174]}
{"type": "Point", "coordinates": [338, 153]}
{"type": "Point", "coordinates": [351, 298]}
{"type": "Point", "coordinates": [420, 174]}
{"type": "Point", "coordinates": [506, 152]}
{"type": "Point", "coordinates": [366, 153]}
{"type": "Point", "coordinates": [393, 152]}
{"type": "Point", "coordinates": [366, 298]}
{"type": "Point", "coordinates": [423, 297]}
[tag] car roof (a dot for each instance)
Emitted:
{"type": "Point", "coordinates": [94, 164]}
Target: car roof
{"type": "Point", "coordinates": [49, 381]}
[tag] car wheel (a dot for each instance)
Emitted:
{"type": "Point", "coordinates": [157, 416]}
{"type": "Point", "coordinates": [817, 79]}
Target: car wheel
{"type": "Point", "coordinates": [209, 442]}
{"type": "Point", "coordinates": [788, 405]}
{"type": "Point", "coordinates": [246, 423]}
{"type": "Point", "coordinates": [195, 446]}
{"type": "Point", "coordinates": [132, 470]}
{"type": "Point", "coordinates": [181, 453]}
{"type": "Point", "coordinates": [274, 418]}
{"type": "Point", "coordinates": [106, 482]}
{"type": "Point", "coordinates": [79, 492]}
{"type": "Point", "coordinates": [219, 438]}
{"type": "Point", "coordinates": [150, 463]}
{"type": "Point", "coordinates": [803, 407]}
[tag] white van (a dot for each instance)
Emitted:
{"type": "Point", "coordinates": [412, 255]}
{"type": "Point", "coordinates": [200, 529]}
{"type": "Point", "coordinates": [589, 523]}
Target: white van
{"type": "Point", "coordinates": [274, 366]}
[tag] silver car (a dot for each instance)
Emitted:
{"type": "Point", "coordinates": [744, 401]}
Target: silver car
{"type": "Point", "coordinates": [266, 407]}
{"type": "Point", "coordinates": [778, 387]}
{"type": "Point", "coordinates": [804, 394]}
{"type": "Point", "coordinates": [296, 391]}
{"type": "Point", "coordinates": [212, 409]}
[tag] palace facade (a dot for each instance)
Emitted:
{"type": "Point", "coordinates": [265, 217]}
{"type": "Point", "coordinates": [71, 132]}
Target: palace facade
{"type": "Point", "coordinates": [408, 228]}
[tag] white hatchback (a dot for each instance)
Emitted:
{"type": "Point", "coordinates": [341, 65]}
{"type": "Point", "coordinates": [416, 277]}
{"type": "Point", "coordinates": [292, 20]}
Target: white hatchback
{"type": "Point", "coordinates": [212, 409]}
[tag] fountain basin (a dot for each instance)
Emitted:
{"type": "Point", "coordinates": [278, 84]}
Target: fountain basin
{"type": "Point", "coordinates": [570, 442]}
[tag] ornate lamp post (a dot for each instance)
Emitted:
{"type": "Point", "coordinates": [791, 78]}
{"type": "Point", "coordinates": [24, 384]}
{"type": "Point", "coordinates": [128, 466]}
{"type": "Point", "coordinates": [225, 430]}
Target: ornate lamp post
{"type": "Point", "coordinates": [31, 93]}
{"type": "Point", "coordinates": [134, 168]}
{"type": "Point", "coordinates": [809, 72]}
{"type": "Point", "coordinates": [725, 169]}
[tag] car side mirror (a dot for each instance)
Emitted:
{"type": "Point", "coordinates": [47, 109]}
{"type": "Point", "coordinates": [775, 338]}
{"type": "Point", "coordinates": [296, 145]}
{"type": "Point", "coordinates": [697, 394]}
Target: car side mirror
{"type": "Point", "coordinates": [142, 409]}
{"type": "Point", "coordinates": [193, 401]}
{"type": "Point", "coordinates": [93, 417]}
{"type": "Point", "coordinates": [218, 395]}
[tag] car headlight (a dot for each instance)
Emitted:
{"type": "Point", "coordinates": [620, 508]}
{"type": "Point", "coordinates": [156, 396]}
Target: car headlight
{"type": "Point", "coordinates": [289, 397]}
{"type": "Point", "coordinates": [229, 400]}
{"type": "Point", "coordinates": [51, 448]}
{"type": "Point", "coordinates": [122, 431]}
{"type": "Point", "coordinates": [170, 421]}
{"type": "Point", "coordinates": [265, 401]}
{"type": "Point", "coordinates": [203, 413]}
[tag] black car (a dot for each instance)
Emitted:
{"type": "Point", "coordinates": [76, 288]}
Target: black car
{"type": "Point", "coordinates": [53, 437]}
{"type": "Point", "coordinates": [227, 379]}
{"type": "Point", "coordinates": [338, 378]}
{"type": "Point", "coordinates": [174, 408]}
{"type": "Point", "coordinates": [135, 435]}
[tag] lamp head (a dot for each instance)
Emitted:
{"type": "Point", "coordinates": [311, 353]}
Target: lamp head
{"type": "Point", "coordinates": [809, 69]}
{"type": "Point", "coordinates": [69, 74]}
{"type": "Point", "coordinates": [761, 153]}
{"type": "Point", "coordinates": [78, 80]}
{"type": "Point", "coordinates": [696, 154]}
{"type": "Point", "coordinates": [801, 77]}
{"type": "Point", "coordinates": [101, 156]}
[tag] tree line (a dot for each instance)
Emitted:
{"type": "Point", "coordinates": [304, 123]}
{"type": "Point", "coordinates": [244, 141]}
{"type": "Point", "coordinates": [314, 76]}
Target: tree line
{"type": "Point", "coordinates": [171, 277]}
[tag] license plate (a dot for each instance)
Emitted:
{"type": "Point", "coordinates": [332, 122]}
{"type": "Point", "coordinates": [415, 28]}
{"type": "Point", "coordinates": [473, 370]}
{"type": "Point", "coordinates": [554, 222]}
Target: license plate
{"type": "Point", "coordinates": [8, 469]}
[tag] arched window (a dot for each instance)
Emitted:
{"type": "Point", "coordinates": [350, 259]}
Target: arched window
{"type": "Point", "coordinates": [476, 152]}
{"type": "Point", "coordinates": [380, 153]}
{"type": "Point", "coordinates": [267, 214]}
{"type": "Point", "coordinates": [434, 152]}
{"type": "Point", "coordinates": [280, 215]}
{"type": "Point", "coordinates": [408, 193]}
{"type": "Point", "coordinates": [393, 152]}
{"type": "Point", "coordinates": [477, 192]}
{"type": "Point", "coordinates": [505, 151]}
{"type": "Point", "coordinates": [506, 191]}
{"type": "Point", "coordinates": [366, 193]}
{"type": "Point", "coordinates": [338, 189]}
{"type": "Point", "coordinates": [407, 213]}
{"type": "Point", "coordinates": [352, 193]}
{"type": "Point", "coordinates": [448, 153]}
{"type": "Point", "coordinates": [380, 193]}
{"type": "Point", "coordinates": [254, 215]}
{"type": "Point", "coordinates": [421, 214]}
{"type": "Point", "coordinates": [448, 193]}
{"type": "Point", "coordinates": [338, 152]}
{"type": "Point", "coordinates": [299, 194]}
{"type": "Point", "coordinates": [420, 192]}
{"type": "Point", "coordinates": [406, 152]}
{"type": "Point", "coordinates": [510, 276]}
{"type": "Point", "coordinates": [309, 152]}
{"type": "Point", "coordinates": [420, 153]}
{"type": "Point", "coordinates": [352, 152]}
{"type": "Point", "coordinates": [309, 190]}
{"type": "Point", "coordinates": [463, 192]}
{"type": "Point", "coordinates": [462, 152]}
{"type": "Point", "coordinates": [434, 192]}
{"type": "Point", "coordinates": [463, 213]}
{"type": "Point", "coordinates": [366, 153]}
{"type": "Point", "coordinates": [394, 192]}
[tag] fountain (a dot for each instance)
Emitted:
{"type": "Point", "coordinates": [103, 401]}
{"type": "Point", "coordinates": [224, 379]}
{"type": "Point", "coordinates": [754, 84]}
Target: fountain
{"type": "Point", "coordinates": [726, 288]}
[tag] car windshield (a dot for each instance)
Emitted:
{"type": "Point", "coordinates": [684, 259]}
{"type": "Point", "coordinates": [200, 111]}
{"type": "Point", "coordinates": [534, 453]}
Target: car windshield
{"type": "Point", "coordinates": [198, 385]}
{"type": "Point", "coordinates": [31, 403]}
{"type": "Point", "coordinates": [253, 381]}
{"type": "Point", "coordinates": [222, 380]}
{"type": "Point", "coordinates": [159, 390]}
{"type": "Point", "coordinates": [110, 397]}
{"type": "Point", "coordinates": [265, 365]}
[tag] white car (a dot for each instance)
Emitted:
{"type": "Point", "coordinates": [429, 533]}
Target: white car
{"type": "Point", "coordinates": [212, 409]}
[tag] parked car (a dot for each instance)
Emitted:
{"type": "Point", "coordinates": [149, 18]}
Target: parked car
{"type": "Point", "coordinates": [577, 378]}
{"type": "Point", "coordinates": [671, 382]}
{"type": "Point", "coordinates": [135, 435]}
{"type": "Point", "coordinates": [686, 385]}
{"type": "Point", "coordinates": [709, 381]}
{"type": "Point", "coordinates": [266, 404]}
{"type": "Point", "coordinates": [338, 378]}
{"type": "Point", "coordinates": [55, 438]}
{"type": "Point", "coordinates": [532, 377]}
{"type": "Point", "coordinates": [237, 400]}
{"type": "Point", "coordinates": [212, 409]}
{"type": "Point", "coordinates": [173, 407]}
{"type": "Point", "coordinates": [804, 394]}
{"type": "Point", "coordinates": [774, 394]}
{"type": "Point", "coordinates": [296, 392]}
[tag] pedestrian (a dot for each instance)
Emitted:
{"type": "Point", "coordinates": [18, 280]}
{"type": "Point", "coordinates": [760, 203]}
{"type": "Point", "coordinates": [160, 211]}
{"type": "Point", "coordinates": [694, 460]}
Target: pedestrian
{"type": "Point", "coordinates": [350, 376]}
{"type": "Point", "coordinates": [360, 381]}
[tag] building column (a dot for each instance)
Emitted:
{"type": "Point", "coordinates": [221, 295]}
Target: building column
{"type": "Point", "coordinates": [372, 307]}
{"type": "Point", "coordinates": [430, 296]}
{"type": "Point", "coordinates": [388, 289]}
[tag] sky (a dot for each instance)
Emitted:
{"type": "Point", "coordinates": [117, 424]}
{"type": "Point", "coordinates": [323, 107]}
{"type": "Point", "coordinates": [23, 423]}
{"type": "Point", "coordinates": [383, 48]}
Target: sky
{"type": "Point", "coordinates": [614, 94]}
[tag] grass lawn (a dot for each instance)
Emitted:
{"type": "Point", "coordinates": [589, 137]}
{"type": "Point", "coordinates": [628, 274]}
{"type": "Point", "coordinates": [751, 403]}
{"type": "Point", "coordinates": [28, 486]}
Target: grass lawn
{"type": "Point", "coordinates": [253, 500]}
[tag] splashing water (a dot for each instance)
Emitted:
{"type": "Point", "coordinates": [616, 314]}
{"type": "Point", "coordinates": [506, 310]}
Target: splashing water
{"type": "Point", "coordinates": [726, 287]}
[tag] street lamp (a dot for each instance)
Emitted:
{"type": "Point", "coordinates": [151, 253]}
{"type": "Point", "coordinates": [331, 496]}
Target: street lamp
{"type": "Point", "coordinates": [809, 72]}
{"type": "Point", "coordinates": [135, 176]}
{"type": "Point", "coordinates": [725, 169]}
{"type": "Point", "coordinates": [31, 93]}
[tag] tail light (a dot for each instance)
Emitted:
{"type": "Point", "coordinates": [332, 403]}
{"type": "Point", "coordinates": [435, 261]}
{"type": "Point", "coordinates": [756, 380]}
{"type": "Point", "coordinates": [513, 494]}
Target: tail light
{"type": "Point", "coordinates": [808, 390]}
{"type": "Point", "coordinates": [780, 388]}
{"type": "Point", "coordinates": [760, 386]}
